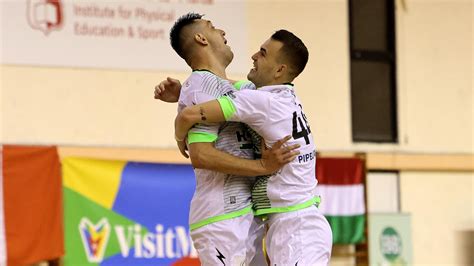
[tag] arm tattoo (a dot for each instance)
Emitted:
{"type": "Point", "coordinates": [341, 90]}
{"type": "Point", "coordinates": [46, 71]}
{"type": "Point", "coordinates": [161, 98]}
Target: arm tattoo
{"type": "Point", "coordinates": [203, 116]}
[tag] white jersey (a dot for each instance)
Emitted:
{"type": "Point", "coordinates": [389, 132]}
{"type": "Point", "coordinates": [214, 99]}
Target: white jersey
{"type": "Point", "coordinates": [275, 112]}
{"type": "Point", "coordinates": [217, 196]}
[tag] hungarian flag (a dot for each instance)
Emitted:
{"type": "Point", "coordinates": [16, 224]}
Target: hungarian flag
{"type": "Point", "coordinates": [341, 187]}
{"type": "Point", "coordinates": [31, 216]}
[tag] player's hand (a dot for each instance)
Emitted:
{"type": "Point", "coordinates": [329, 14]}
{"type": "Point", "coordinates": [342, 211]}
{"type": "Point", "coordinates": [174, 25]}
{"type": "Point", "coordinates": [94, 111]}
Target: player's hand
{"type": "Point", "coordinates": [277, 156]}
{"type": "Point", "coordinates": [183, 148]}
{"type": "Point", "coordinates": [168, 90]}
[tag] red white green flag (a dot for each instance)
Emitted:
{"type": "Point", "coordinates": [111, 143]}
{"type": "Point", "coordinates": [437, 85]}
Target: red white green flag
{"type": "Point", "coordinates": [341, 187]}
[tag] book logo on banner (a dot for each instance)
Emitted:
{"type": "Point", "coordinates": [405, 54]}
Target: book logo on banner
{"type": "Point", "coordinates": [45, 15]}
{"type": "Point", "coordinates": [94, 238]}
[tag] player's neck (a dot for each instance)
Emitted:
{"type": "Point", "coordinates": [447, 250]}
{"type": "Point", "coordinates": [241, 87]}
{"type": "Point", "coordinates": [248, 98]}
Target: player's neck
{"type": "Point", "coordinates": [218, 71]}
{"type": "Point", "coordinates": [211, 64]}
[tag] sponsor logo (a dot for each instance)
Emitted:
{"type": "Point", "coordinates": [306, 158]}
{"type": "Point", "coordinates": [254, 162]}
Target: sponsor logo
{"type": "Point", "coordinates": [45, 15]}
{"type": "Point", "coordinates": [220, 256]}
{"type": "Point", "coordinates": [94, 238]}
{"type": "Point", "coordinates": [170, 243]}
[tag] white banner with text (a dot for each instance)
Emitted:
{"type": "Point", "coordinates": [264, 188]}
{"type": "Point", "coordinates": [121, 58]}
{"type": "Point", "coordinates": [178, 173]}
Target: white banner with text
{"type": "Point", "coordinates": [119, 34]}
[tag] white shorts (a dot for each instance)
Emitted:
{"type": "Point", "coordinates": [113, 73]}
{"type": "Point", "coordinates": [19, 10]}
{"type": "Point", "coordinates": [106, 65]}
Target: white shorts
{"type": "Point", "coordinates": [255, 255]}
{"type": "Point", "coordinates": [302, 238]}
{"type": "Point", "coordinates": [224, 242]}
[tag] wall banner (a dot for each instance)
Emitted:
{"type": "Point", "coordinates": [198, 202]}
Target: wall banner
{"type": "Point", "coordinates": [124, 34]}
{"type": "Point", "coordinates": [390, 239]}
{"type": "Point", "coordinates": [127, 213]}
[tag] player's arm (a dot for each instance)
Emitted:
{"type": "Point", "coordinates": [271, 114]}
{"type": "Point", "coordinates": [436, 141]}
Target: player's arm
{"type": "Point", "coordinates": [250, 107]}
{"type": "Point", "coordinates": [204, 155]}
{"type": "Point", "coordinates": [168, 90]}
{"type": "Point", "coordinates": [208, 112]}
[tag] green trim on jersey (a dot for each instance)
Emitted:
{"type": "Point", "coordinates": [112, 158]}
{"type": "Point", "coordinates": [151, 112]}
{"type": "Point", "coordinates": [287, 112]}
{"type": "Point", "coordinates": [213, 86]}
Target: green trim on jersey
{"type": "Point", "coordinates": [304, 205]}
{"type": "Point", "coordinates": [194, 137]}
{"type": "Point", "coordinates": [238, 85]}
{"type": "Point", "coordinates": [227, 106]}
{"type": "Point", "coordinates": [219, 218]}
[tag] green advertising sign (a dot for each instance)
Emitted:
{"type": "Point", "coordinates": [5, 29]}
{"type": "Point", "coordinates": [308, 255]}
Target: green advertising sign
{"type": "Point", "coordinates": [390, 239]}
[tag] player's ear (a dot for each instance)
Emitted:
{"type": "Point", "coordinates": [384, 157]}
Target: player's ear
{"type": "Point", "coordinates": [282, 69]}
{"type": "Point", "coordinates": [200, 38]}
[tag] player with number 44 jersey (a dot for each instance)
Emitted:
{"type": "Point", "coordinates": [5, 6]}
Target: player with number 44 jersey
{"type": "Point", "coordinates": [287, 198]}
{"type": "Point", "coordinates": [273, 112]}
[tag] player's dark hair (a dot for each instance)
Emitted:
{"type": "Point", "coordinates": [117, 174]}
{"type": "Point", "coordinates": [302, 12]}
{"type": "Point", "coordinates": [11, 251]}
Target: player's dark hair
{"type": "Point", "coordinates": [293, 49]}
{"type": "Point", "coordinates": [175, 33]}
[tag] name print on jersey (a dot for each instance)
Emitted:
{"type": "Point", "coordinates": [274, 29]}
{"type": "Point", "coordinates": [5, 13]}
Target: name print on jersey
{"type": "Point", "coordinates": [307, 157]}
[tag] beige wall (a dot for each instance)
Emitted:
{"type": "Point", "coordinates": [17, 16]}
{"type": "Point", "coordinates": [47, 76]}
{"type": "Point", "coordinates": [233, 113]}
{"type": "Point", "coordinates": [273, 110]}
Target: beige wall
{"type": "Point", "coordinates": [435, 56]}
{"type": "Point", "coordinates": [90, 107]}
{"type": "Point", "coordinates": [442, 209]}
{"type": "Point", "coordinates": [84, 107]}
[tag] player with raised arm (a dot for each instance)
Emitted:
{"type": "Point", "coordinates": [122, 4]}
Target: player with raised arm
{"type": "Point", "coordinates": [298, 233]}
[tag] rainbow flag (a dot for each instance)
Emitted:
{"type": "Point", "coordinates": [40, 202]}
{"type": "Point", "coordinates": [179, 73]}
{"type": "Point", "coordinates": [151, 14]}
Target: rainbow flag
{"type": "Point", "coordinates": [127, 213]}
